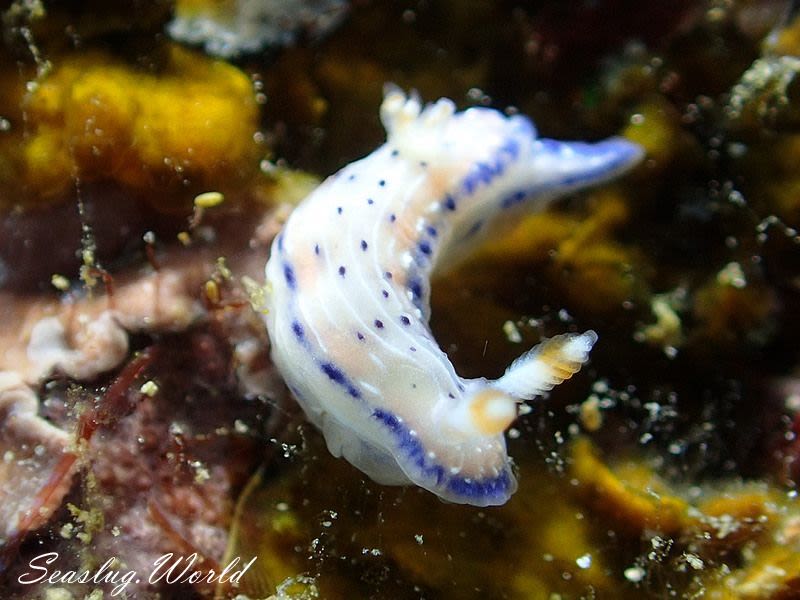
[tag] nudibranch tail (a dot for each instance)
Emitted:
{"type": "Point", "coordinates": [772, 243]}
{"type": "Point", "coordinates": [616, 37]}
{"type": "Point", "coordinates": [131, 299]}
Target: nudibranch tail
{"type": "Point", "coordinates": [574, 165]}
{"type": "Point", "coordinates": [350, 276]}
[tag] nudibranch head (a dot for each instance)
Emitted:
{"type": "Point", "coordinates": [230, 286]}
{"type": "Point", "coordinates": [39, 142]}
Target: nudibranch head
{"type": "Point", "coordinates": [350, 279]}
{"type": "Point", "coordinates": [436, 132]}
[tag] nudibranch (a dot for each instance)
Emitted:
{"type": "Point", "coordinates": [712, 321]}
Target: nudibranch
{"type": "Point", "coordinates": [349, 286]}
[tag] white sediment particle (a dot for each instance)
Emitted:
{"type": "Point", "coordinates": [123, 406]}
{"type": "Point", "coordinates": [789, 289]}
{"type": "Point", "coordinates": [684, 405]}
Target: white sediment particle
{"type": "Point", "coordinates": [590, 415]}
{"type": "Point", "coordinates": [732, 275]}
{"type": "Point", "coordinates": [208, 199]}
{"type": "Point", "coordinates": [693, 561]}
{"type": "Point", "coordinates": [667, 330]}
{"type": "Point", "coordinates": [201, 472]}
{"type": "Point", "coordinates": [763, 86]}
{"type": "Point", "coordinates": [256, 294]}
{"type": "Point", "coordinates": [59, 282]}
{"type": "Point", "coordinates": [149, 388]}
{"type": "Point", "coordinates": [585, 561]}
{"type": "Point", "coordinates": [67, 530]}
{"type": "Point", "coordinates": [512, 332]}
{"type": "Point", "coordinates": [634, 574]}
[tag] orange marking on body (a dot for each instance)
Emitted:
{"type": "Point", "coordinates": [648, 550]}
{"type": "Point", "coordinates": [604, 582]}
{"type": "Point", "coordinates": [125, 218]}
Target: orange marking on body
{"type": "Point", "coordinates": [306, 268]}
{"type": "Point", "coordinates": [406, 230]}
{"type": "Point", "coordinates": [482, 414]}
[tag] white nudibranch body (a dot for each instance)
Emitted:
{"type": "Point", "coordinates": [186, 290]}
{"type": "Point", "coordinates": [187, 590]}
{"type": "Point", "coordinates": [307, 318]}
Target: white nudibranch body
{"type": "Point", "coordinates": [350, 283]}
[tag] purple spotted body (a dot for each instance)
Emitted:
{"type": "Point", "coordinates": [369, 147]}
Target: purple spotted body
{"type": "Point", "coordinates": [349, 281]}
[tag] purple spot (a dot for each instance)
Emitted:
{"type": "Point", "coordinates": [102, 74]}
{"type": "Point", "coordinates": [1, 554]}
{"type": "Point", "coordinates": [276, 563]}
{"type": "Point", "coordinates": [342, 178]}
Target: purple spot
{"type": "Point", "coordinates": [339, 209]}
{"type": "Point", "coordinates": [297, 328]}
{"type": "Point", "coordinates": [405, 320]}
{"type": "Point", "coordinates": [450, 202]}
{"type": "Point", "coordinates": [370, 201]}
{"type": "Point", "coordinates": [450, 395]}
{"type": "Point", "coordinates": [425, 248]}
{"type": "Point", "coordinates": [392, 218]}
{"type": "Point", "coordinates": [351, 177]}
{"type": "Point", "coordinates": [416, 288]}
{"type": "Point", "coordinates": [288, 273]}
{"type": "Point", "coordinates": [336, 375]}
{"type": "Point", "coordinates": [513, 199]}
{"type": "Point", "coordinates": [482, 173]}
{"type": "Point", "coordinates": [342, 271]}
{"type": "Point", "coordinates": [382, 182]}
{"type": "Point", "coordinates": [431, 230]}
{"type": "Point", "coordinates": [332, 371]}
{"type": "Point", "coordinates": [378, 323]}
{"type": "Point", "coordinates": [412, 348]}
{"type": "Point", "coordinates": [388, 275]}
{"type": "Point", "coordinates": [385, 293]}
{"type": "Point", "coordinates": [360, 336]}
{"type": "Point", "coordinates": [511, 148]}
{"type": "Point", "coordinates": [364, 245]}
{"type": "Point", "coordinates": [476, 227]}
{"type": "Point", "coordinates": [395, 153]}
{"type": "Point", "coordinates": [316, 249]}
